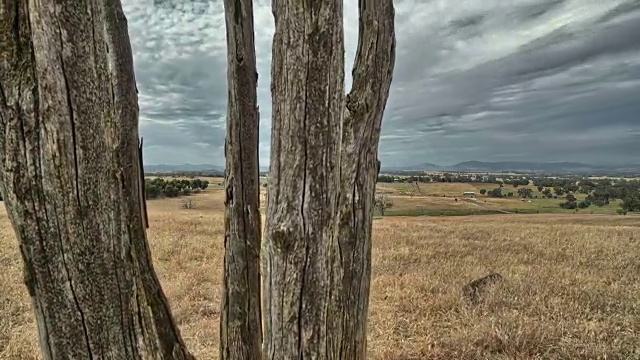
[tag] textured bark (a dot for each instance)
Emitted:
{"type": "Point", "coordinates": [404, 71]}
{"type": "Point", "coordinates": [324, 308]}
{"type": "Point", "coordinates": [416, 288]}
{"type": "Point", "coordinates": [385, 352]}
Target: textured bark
{"type": "Point", "coordinates": [240, 321]}
{"type": "Point", "coordinates": [307, 87]}
{"type": "Point", "coordinates": [143, 198]}
{"type": "Point", "coordinates": [71, 180]}
{"type": "Point", "coordinates": [365, 104]}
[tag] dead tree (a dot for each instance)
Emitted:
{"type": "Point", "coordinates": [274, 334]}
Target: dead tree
{"type": "Point", "coordinates": [240, 321]}
{"type": "Point", "coordinates": [365, 104]}
{"type": "Point", "coordinates": [415, 188]}
{"type": "Point", "coordinates": [71, 180]}
{"type": "Point", "coordinates": [317, 251]}
{"type": "Point", "coordinates": [299, 251]}
{"type": "Point", "coordinates": [382, 203]}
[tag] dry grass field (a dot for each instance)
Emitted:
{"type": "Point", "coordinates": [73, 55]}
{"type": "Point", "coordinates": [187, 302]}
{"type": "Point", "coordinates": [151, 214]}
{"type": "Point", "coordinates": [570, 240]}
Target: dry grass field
{"type": "Point", "coordinates": [571, 286]}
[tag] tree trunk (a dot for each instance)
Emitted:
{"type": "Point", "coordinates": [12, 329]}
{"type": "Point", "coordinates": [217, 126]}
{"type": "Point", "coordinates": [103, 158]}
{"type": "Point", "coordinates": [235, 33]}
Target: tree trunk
{"type": "Point", "coordinates": [70, 176]}
{"type": "Point", "coordinates": [307, 87]}
{"type": "Point", "coordinates": [240, 321]}
{"type": "Point", "coordinates": [365, 104]}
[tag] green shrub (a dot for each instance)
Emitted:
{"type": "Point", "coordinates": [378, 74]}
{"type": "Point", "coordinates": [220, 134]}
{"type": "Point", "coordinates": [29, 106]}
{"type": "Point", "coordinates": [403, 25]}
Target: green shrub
{"type": "Point", "coordinates": [171, 191]}
{"type": "Point", "coordinates": [584, 204]}
{"type": "Point", "coordinates": [569, 205]}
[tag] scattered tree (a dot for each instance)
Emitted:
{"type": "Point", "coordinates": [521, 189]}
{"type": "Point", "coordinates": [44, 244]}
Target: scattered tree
{"type": "Point", "coordinates": [383, 203]}
{"type": "Point", "coordinates": [631, 202]}
{"type": "Point", "coordinates": [525, 192]}
{"type": "Point", "coordinates": [569, 205]}
{"type": "Point", "coordinates": [171, 191]}
{"type": "Point", "coordinates": [599, 197]}
{"type": "Point", "coordinates": [586, 186]}
{"type": "Point", "coordinates": [496, 193]}
{"type": "Point", "coordinates": [188, 204]}
{"type": "Point", "coordinates": [483, 191]}
{"type": "Point", "coordinates": [152, 191]}
{"type": "Point", "coordinates": [584, 204]}
{"type": "Point", "coordinates": [199, 184]}
{"type": "Point", "coordinates": [572, 188]}
{"type": "Point", "coordinates": [571, 202]}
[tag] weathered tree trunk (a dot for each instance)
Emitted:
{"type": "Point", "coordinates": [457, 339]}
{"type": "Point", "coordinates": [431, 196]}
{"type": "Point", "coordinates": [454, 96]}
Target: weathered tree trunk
{"type": "Point", "coordinates": [143, 196]}
{"type": "Point", "coordinates": [307, 87]}
{"type": "Point", "coordinates": [70, 176]}
{"type": "Point", "coordinates": [240, 321]}
{"type": "Point", "coordinates": [365, 104]}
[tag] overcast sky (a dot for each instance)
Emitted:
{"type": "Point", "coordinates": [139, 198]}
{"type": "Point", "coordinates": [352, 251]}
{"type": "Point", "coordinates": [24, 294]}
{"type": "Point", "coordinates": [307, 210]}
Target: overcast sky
{"type": "Point", "coordinates": [492, 80]}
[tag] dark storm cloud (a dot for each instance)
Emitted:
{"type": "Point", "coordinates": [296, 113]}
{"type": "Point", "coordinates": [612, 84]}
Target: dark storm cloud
{"type": "Point", "coordinates": [626, 8]}
{"type": "Point", "coordinates": [554, 90]}
{"type": "Point", "coordinates": [484, 80]}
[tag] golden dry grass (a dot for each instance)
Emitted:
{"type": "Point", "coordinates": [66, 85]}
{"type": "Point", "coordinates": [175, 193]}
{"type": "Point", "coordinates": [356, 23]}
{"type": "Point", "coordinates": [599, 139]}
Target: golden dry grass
{"type": "Point", "coordinates": [571, 289]}
{"type": "Point", "coordinates": [439, 188]}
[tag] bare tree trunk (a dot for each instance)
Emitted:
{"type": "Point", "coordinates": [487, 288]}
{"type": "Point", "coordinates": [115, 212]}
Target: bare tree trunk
{"type": "Point", "coordinates": [299, 251]}
{"type": "Point", "coordinates": [70, 176]}
{"type": "Point", "coordinates": [365, 104]}
{"type": "Point", "coordinates": [143, 197]}
{"type": "Point", "coordinates": [240, 321]}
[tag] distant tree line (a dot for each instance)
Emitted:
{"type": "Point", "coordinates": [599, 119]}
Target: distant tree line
{"type": "Point", "coordinates": [159, 187]}
{"type": "Point", "coordinates": [513, 180]}
{"type": "Point", "coordinates": [452, 178]}
{"type": "Point", "coordinates": [403, 179]}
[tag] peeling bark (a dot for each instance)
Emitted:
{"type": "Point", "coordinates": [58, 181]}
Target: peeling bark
{"type": "Point", "coordinates": [299, 250]}
{"type": "Point", "coordinates": [364, 108]}
{"type": "Point", "coordinates": [71, 180]}
{"type": "Point", "coordinates": [240, 321]}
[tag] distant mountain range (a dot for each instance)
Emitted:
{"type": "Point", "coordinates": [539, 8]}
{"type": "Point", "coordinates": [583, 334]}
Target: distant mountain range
{"type": "Point", "coordinates": [548, 167]}
{"type": "Point", "coordinates": [466, 166]}
{"type": "Point", "coordinates": [182, 168]}
{"type": "Point", "coordinates": [205, 168]}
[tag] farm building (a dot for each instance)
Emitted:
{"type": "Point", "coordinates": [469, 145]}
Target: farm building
{"type": "Point", "coordinates": [469, 193]}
